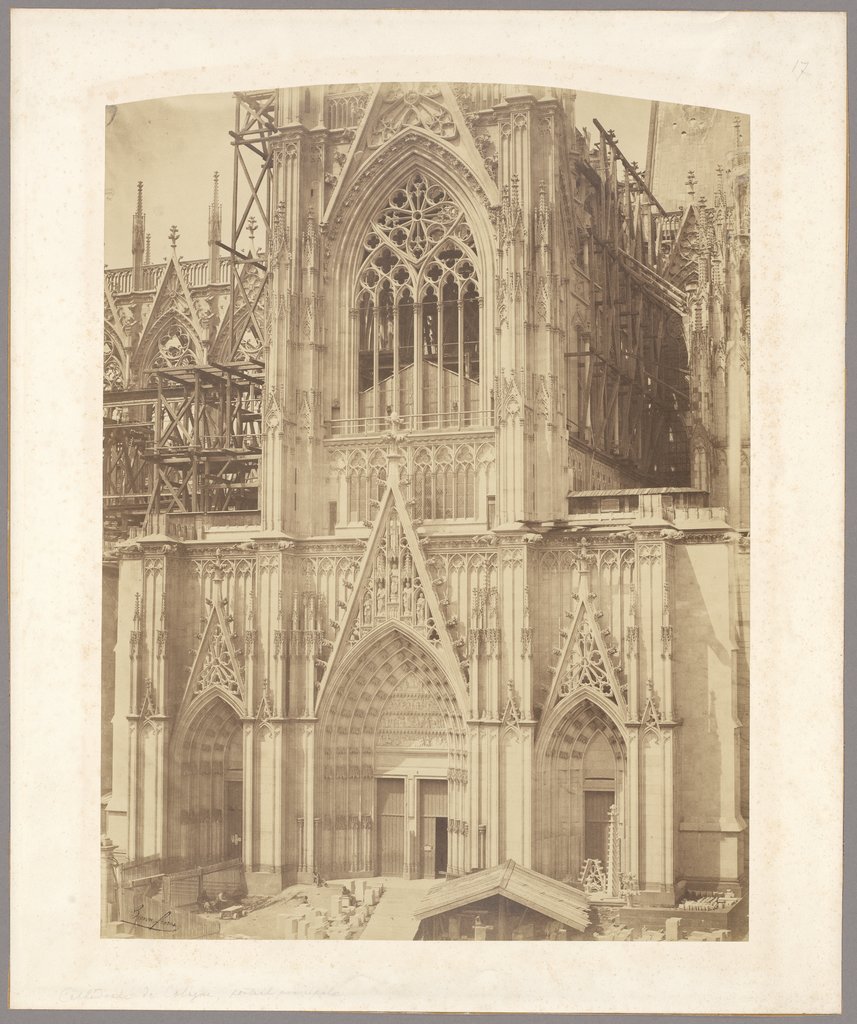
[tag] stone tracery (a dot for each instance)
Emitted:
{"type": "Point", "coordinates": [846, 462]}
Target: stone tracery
{"type": "Point", "coordinates": [418, 307]}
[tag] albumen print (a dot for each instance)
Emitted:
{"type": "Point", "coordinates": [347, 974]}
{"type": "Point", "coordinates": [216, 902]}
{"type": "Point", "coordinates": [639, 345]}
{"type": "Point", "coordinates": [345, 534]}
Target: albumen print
{"type": "Point", "coordinates": [426, 516]}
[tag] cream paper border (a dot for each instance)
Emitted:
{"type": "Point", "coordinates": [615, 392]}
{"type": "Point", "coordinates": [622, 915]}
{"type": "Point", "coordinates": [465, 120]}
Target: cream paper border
{"type": "Point", "coordinates": [66, 66]}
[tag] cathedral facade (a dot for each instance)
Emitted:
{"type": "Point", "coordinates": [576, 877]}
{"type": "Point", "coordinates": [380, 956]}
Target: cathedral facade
{"type": "Point", "coordinates": [426, 517]}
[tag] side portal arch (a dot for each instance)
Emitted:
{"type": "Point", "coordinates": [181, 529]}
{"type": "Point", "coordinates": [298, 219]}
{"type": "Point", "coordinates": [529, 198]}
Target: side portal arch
{"type": "Point", "coordinates": [581, 769]}
{"type": "Point", "coordinates": [207, 771]}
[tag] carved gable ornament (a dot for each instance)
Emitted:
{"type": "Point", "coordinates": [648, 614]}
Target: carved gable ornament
{"type": "Point", "coordinates": [172, 333]}
{"type": "Point", "coordinates": [393, 584]}
{"type": "Point", "coordinates": [216, 664]}
{"type": "Point", "coordinates": [584, 659]}
{"type": "Point", "coordinates": [411, 107]}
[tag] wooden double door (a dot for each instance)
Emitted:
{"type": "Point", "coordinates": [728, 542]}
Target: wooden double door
{"type": "Point", "coordinates": [430, 858]}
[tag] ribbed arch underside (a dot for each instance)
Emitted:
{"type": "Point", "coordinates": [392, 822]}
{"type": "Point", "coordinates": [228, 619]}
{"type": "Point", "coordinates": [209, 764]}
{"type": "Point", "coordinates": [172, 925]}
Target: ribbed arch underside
{"type": "Point", "coordinates": [390, 704]}
{"type": "Point", "coordinates": [560, 785]}
{"type": "Point", "coordinates": [208, 755]}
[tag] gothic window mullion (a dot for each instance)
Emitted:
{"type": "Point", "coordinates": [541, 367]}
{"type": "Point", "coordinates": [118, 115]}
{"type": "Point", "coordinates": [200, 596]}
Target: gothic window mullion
{"type": "Point", "coordinates": [441, 406]}
{"type": "Point", "coordinates": [396, 361]}
{"type": "Point", "coordinates": [375, 381]}
{"type": "Point", "coordinates": [418, 364]}
{"type": "Point", "coordinates": [461, 366]}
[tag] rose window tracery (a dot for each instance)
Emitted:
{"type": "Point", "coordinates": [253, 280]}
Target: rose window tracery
{"type": "Point", "coordinates": [175, 349]}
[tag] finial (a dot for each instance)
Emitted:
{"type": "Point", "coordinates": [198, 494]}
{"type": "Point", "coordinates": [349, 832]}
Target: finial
{"type": "Point", "coordinates": [736, 124]}
{"type": "Point", "coordinates": [216, 197]}
{"type": "Point", "coordinates": [252, 224]}
{"type": "Point", "coordinates": [174, 236]}
{"type": "Point", "coordinates": [139, 198]}
{"type": "Point", "coordinates": [148, 248]}
{"type": "Point", "coordinates": [691, 184]}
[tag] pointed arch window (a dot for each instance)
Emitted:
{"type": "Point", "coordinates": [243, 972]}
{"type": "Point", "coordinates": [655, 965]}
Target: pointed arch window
{"type": "Point", "coordinates": [418, 309]}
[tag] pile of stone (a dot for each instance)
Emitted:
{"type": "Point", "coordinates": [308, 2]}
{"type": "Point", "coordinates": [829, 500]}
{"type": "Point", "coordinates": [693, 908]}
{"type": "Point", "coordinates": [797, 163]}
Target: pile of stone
{"type": "Point", "coordinates": [345, 916]}
{"type": "Point", "coordinates": [718, 935]}
{"type": "Point", "coordinates": [614, 933]}
{"type": "Point", "coordinates": [709, 900]}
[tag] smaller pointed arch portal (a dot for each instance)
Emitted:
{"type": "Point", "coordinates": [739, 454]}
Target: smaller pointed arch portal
{"type": "Point", "coordinates": [582, 797]}
{"type": "Point", "coordinates": [209, 787]}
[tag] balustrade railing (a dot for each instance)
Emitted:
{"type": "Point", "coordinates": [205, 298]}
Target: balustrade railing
{"type": "Point", "coordinates": [451, 421]}
{"type": "Point", "coordinates": [121, 280]}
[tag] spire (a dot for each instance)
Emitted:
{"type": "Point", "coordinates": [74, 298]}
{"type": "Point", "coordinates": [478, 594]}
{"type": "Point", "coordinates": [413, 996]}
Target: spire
{"type": "Point", "coordinates": [214, 222]}
{"type": "Point", "coordinates": [138, 240]}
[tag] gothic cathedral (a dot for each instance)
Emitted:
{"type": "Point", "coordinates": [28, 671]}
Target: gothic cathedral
{"type": "Point", "coordinates": [426, 500]}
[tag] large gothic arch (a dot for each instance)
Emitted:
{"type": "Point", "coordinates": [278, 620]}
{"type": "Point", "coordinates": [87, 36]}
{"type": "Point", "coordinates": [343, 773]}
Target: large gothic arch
{"type": "Point", "coordinates": [349, 222]}
{"type": "Point", "coordinates": [561, 781]}
{"type": "Point", "coordinates": [389, 712]}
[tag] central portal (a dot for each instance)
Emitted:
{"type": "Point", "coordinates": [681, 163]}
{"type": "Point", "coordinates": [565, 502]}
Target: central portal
{"type": "Point", "coordinates": [391, 764]}
{"type": "Point", "coordinates": [412, 841]}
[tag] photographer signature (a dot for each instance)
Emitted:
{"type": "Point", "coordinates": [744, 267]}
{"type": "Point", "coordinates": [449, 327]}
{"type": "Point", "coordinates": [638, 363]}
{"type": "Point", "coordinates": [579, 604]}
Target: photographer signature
{"type": "Point", "coordinates": [164, 923]}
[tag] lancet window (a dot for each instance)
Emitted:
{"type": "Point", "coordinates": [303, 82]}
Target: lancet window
{"type": "Point", "coordinates": [418, 310]}
{"type": "Point", "coordinates": [367, 482]}
{"type": "Point", "coordinates": [444, 483]}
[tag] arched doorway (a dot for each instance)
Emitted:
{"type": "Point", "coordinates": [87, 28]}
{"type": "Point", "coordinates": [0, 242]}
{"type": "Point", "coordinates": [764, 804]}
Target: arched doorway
{"type": "Point", "coordinates": [581, 767]}
{"type": "Point", "coordinates": [392, 763]}
{"type": "Point", "coordinates": [210, 800]}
